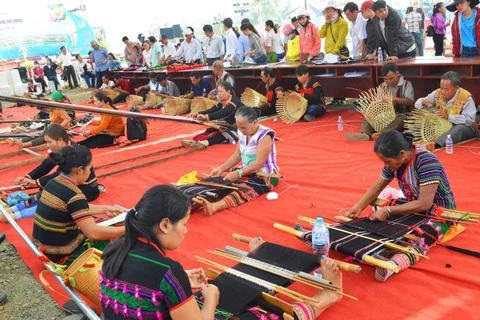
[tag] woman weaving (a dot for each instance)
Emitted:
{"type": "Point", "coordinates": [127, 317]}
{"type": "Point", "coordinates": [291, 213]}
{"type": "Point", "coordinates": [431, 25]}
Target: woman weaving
{"type": "Point", "coordinates": [256, 151]}
{"type": "Point", "coordinates": [163, 290]}
{"type": "Point", "coordinates": [423, 181]}
{"type": "Point", "coordinates": [224, 110]}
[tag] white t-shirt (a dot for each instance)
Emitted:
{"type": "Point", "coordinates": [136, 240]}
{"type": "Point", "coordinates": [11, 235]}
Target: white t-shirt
{"type": "Point", "coordinates": [168, 49]}
{"type": "Point", "coordinates": [65, 59]}
{"type": "Point", "coordinates": [273, 41]}
{"type": "Point", "coordinates": [358, 32]}
{"type": "Point", "coordinates": [153, 86]}
{"type": "Point", "coordinates": [105, 86]}
{"type": "Point", "coordinates": [147, 56]}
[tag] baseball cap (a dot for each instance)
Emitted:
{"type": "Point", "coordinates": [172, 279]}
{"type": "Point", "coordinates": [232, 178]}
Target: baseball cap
{"type": "Point", "coordinates": [288, 29]}
{"type": "Point", "coordinates": [188, 32]}
{"type": "Point", "coordinates": [303, 14]}
{"type": "Point", "coordinates": [366, 5]}
{"type": "Point", "coordinates": [57, 96]}
{"type": "Point", "coordinates": [140, 35]}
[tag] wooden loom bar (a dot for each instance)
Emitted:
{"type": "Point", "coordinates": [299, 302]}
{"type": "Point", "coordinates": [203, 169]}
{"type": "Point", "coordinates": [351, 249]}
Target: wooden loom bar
{"type": "Point", "coordinates": [369, 259]}
{"type": "Point", "coordinates": [390, 245]}
{"type": "Point", "coordinates": [20, 152]}
{"type": "Point", "coordinates": [341, 264]}
{"type": "Point", "coordinates": [138, 157]}
{"type": "Point", "coordinates": [22, 162]}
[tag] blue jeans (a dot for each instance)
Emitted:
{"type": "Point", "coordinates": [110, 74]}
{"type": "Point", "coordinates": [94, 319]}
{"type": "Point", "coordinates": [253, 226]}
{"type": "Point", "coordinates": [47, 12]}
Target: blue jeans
{"type": "Point", "coordinates": [261, 60]}
{"type": "Point", "coordinates": [316, 110]}
{"type": "Point", "coordinates": [55, 81]}
{"type": "Point", "coordinates": [418, 40]}
{"type": "Point", "coordinates": [24, 212]}
{"type": "Point", "coordinates": [87, 76]}
{"type": "Point", "coordinates": [469, 51]}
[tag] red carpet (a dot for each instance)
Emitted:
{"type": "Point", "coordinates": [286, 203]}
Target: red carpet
{"type": "Point", "coordinates": [327, 174]}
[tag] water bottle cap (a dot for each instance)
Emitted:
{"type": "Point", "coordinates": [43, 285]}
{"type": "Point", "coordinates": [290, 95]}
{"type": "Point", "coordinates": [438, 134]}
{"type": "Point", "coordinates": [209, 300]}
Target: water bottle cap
{"type": "Point", "coordinates": [340, 118]}
{"type": "Point", "coordinates": [448, 136]}
{"type": "Point", "coordinates": [319, 220]}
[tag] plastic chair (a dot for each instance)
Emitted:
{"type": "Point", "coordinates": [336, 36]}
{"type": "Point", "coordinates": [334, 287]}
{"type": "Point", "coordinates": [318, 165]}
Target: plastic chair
{"type": "Point", "coordinates": [16, 83]}
{"type": "Point", "coordinates": [5, 88]}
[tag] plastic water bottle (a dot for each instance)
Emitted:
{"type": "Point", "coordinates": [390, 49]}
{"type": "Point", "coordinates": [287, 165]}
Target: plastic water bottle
{"type": "Point", "coordinates": [320, 242]}
{"type": "Point", "coordinates": [340, 124]}
{"type": "Point", "coordinates": [380, 55]}
{"type": "Point", "coordinates": [449, 145]}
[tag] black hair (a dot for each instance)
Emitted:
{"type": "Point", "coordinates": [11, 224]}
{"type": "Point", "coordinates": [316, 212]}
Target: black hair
{"type": "Point", "coordinates": [228, 22]}
{"type": "Point", "coordinates": [164, 37]}
{"type": "Point", "coordinates": [389, 67]}
{"type": "Point", "coordinates": [89, 52]}
{"type": "Point", "coordinates": [270, 24]}
{"type": "Point", "coordinates": [101, 96]}
{"type": "Point", "coordinates": [207, 28]}
{"type": "Point", "coordinates": [248, 113]}
{"type": "Point", "coordinates": [250, 27]}
{"type": "Point", "coordinates": [294, 19]}
{"type": "Point", "coordinates": [195, 74]}
{"type": "Point", "coordinates": [57, 132]}
{"type": "Point", "coordinates": [113, 56]}
{"type": "Point", "coordinates": [152, 39]}
{"type": "Point", "coordinates": [191, 29]}
{"type": "Point", "coordinates": [78, 55]}
{"type": "Point", "coordinates": [61, 48]}
{"type": "Point", "coordinates": [301, 70]}
{"type": "Point", "coordinates": [351, 6]}
{"type": "Point", "coordinates": [136, 47]}
{"type": "Point", "coordinates": [71, 157]}
{"type": "Point", "coordinates": [152, 75]}
{"type": "Point", "coordinates": [160, 77]}
{"type": "Point", "coordinates": [30, 80]}
{"type": "Point", "coordinates": [227, 86]}
{"type": "Point", "coordinates": [117, 76]}
{"type": "Point", "coordinates": [391, 142]}
{"type": "Point", "coordinates": [437, 7]}
{"type": "Point", "coordinates": [377, 5]}
{"type": "Point", "coordinates": [125, 38]}
{"type": "Point", "coordinates": [245, 20]}
{"type": "Point", "coordinates": [409, 9]}
{"type": "Point", "coordinates": [35, 62]}
{"type": "Point", "coordinates": [157, 203]}
{"type": "Point", "coordinates": [267, 71]}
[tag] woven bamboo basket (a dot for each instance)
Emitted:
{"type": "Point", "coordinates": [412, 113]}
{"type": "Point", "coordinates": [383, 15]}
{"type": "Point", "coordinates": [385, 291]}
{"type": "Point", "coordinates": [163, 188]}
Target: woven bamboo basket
{"type": "Point", "coordinates": [29, 96]}
{"type": "Point", "coordinates": [152, 100]}
{"type": "Point", "coordinates": [426, 126]}
{"type": "Point", "coordinates": [175, 106]}
{"type": "Point", "coordinates": [111, 94]}
{"type": "Point", "coordinates": [83, 275]}
{"type": "Point", "coordinates": [291, 107]}
{"type": "Point", "coordinates": [201, 104]}
{"type": "Point", "coordinates": [252, 98]}
{"type": "Point", "coordinates": [133, 101]}
{"type": "Point", "coordinates": [377, 107]}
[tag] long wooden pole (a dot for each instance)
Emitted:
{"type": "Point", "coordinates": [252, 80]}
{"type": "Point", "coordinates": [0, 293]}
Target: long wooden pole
{"type": "Point", "coordinates": [20, 152]}
{"type": "Point", "coordinates": [22, 162]}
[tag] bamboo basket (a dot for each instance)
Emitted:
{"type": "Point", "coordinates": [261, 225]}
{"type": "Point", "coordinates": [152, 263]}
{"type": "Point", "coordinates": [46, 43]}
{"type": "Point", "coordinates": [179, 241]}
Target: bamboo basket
{"type": "Point", "coordinates": [111, 93]}
{"type": "Point", "coordinates": [134, 101]}
{"type": "Point", "coordinates": [152, 100]}
{"type": "Point", "coordinates": [83, 275]}
{"type": "Point", "coordinates": [176, 106]}
{"type": "Point", "coordinates": [201, 104]}
{"type": "Point", "coordinates": [377, 107]}
{"type": "Point", "coordinates": [291, 107]}
{"type": "Point", "coordinates": [426, 126]}
{"type": "Point", "coordinates": [252, 98]}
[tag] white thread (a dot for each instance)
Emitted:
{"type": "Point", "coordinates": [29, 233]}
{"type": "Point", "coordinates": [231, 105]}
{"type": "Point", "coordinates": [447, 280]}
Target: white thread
{"type": "Point", "coordinates": [249, 278]}
{"type": "Point", "coordinates": [289, 186]}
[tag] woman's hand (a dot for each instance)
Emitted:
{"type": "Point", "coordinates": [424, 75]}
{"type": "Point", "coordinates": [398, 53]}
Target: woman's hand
{"type": "Point", "coordinates": [197, 278]}
{"type": "Point", "coordinates": [202, 117]}
{"type": "Point", "coordinates": [232, 176]}
{"type": "Point", "coordinates": [380, 215]}
{"type": "Point", "coordinates": [354, 212]}
{"type": "Point", "coordinates": [112, 211]}
{"type": "Point", "coordinates": [86, 134]}
{"type": "Point", "coordinates": [210, 293]}
{"type": "Point", "coordinates": [193, 114]}
{"type": "Point", "coordinates": [217, 172]}
{"type": "Point", "coordinates": [20, 181]}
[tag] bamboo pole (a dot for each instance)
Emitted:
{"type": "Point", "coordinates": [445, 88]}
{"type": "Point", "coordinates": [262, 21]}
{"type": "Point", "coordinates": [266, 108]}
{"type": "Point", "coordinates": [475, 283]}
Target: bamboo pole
{"type": "Point", "coordinates": [21, 121]}
{"type": "Point", "coordinates": [20, 152]}
{"type": "Point", "coordinates": [22, 163]}
{"type": "Point", "coordinates": [27, 150]}
{"type": "Point", "coordinates": [341, 264]}
{"type": "Point", "coordinates": [369, 259]}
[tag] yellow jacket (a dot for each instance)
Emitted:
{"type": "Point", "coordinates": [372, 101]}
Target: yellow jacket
{"type": "Point", "coordinates": [293, 49]}
{"type": "Point", "coordinates": [339, 31]}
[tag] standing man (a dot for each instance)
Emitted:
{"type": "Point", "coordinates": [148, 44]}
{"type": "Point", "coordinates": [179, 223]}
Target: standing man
{"type": "Point", "coordinates": [231, 49]}
{"type": "Point", "coordinates": [100, 58]}
{"type": "Point", "coordinates": [69, 71]}
{"type": "Point", "coordinates": [214, 47]}
{"type": "Point", "coordinates": [414, 21]}
{"type": "Point", "coordinates": [358, 30]}
{"type": "Point", "coordinates": [190, 49]}
{"type": "Point", "coordinates": [168, 50]}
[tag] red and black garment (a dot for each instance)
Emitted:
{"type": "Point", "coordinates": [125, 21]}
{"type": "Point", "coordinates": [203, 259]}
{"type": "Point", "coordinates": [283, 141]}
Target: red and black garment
{"type": "Point", "coordinates": [272, 94]}
{"type": "Point", "coordinates": [313, 93]}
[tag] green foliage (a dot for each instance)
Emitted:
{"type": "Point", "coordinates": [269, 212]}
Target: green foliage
{"type": "Point", "coordinates": [275, 10]}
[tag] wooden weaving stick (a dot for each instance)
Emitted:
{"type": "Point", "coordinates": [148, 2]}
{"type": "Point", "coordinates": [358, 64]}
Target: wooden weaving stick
{"type": "Point", "coordinates": [386, 244]}
{"type": "Point", "coordinates": [341, 264]}
{"type": "Point", "coordinates": [22, 162]}
{"type": "Point", "coordinates": [31, 152]}
{"type": "Point", "coordinates": [368, 259]}
{"type": "Point", "coordinates": [20, 152]}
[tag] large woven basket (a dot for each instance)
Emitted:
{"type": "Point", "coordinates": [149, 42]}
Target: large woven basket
{"type": "Point", "coordinates": [152, 100]}
{"type": "Point", "coordinates": [377, 107]}
{"type": "Point", "coordinates": [426, 126]}
{"type": "Point", "coordinates": [201, 104]}
{"type": "Point", "coordinates": [111, 94]}
{"type": "Point", "coordinates": [252, 98]}
{"type": "Point", "coordinates": [83, 275]}
{"type": "Point", "coordinates": [175, 106]}
{"type": "Point", "coordinates": [133, 101]}
{"type": "Point", "coordinates": [291, 107]}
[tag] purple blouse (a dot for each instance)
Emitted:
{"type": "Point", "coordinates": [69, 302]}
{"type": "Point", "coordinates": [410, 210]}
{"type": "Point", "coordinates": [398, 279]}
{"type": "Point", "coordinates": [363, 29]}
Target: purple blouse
{"type": "Point", "coordinates": [438, 24]}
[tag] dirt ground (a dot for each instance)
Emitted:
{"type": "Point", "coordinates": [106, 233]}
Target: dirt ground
{"type": "Point", "coordinates": [27, 299]}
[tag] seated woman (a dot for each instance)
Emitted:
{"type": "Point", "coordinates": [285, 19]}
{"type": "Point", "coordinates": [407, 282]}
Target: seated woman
{"type": "Point", "coordinates": [112, 62]}
{"type": "Point", "coordinates": [63, 211]}
{"type": "Point", "coordinates": [107, 129]}
{"type": "Point", "coordinates": [224, 110]}
{"type": "Point", "coordinates": [157, 224]}
{"type": "Point", "coordinates": [256, 151]}
{"type": "Point", "coordinates": [423, 181]}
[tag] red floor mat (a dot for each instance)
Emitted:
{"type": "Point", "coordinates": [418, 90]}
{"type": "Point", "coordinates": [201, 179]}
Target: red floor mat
{"type": "Point", "coordinates": [323, 174]}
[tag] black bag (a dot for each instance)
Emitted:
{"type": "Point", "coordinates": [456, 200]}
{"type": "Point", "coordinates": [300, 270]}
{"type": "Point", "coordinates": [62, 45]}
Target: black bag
{"type": "Point", "coordinates": [430, 31]}
{"type": "Point", "coordinates": [136, 128]}
{"type": "Point", "coordinates": [343, 50]}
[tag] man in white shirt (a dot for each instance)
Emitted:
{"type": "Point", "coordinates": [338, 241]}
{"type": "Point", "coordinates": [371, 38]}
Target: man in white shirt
{"type": "Point", "coordinates": [358, 30]}
{"type": "Point", "coordinates": [190, 49]}
{"type": "Point", "coordinates": [169, 50]}
{"type": "Point", "coordinates": [232, 40]}
{"type": "Point", "coordinates": [214, 47]}
{"type": "Point", "coordinates": [84, 71]}
{"type": "Point", "coordinates": [68, 70]}
{"type": "Point", "coordinates": [414, 20]}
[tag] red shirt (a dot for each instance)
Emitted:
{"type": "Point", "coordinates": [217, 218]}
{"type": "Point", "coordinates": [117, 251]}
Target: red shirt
{"type": "Point", "coordinates": [127, 86]}
{"type": "Point", "coordinates": [38, 72]}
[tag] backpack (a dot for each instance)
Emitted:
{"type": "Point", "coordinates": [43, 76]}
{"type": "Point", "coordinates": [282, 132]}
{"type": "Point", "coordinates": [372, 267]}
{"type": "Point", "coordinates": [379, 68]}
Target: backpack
{"type": "Point", "coordinates": [430, 31]}
{"type": "Point", "coordinates": [136, 128]}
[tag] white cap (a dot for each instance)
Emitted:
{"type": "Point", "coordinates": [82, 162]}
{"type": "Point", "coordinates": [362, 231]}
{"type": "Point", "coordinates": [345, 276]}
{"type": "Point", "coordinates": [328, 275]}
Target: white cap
{"type": "Point", "coordinates": [331, 4]}
{"type": "Point", "coordinates": [188, 32]}
{"type": "Point", "coordinates": [303, 14]}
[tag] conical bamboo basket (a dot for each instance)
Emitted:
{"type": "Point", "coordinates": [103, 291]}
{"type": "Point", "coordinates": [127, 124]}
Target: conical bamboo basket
{"type": "Point", "coordinates": [291, 107]}
{"type": "Point", "coordinates": [426, 126]}
{"type": "Point", "coordinates": [377, 107]}
{"type": "Point", "coordinates": [152, 100]}
{"type": "Point", "coordinates": [200, 104]}
{"type": "Point", "coordinates": [176, 106]}
{"type": "Point", "coordinates": [252, 98]}
{"type": "Point", "coordinates": [133, 101]}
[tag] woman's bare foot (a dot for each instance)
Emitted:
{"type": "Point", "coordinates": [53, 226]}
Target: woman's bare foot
{"type": "Point", "coordinates": [19, 144]}
{"type": "Point", "coordinates": [3, 219]}
{"type": "Point", "coordinates": [11, 141]}
{"type": "Point", "coordinates": [255, 243]}
{"type": "Point", "coordinates": [326, 297]}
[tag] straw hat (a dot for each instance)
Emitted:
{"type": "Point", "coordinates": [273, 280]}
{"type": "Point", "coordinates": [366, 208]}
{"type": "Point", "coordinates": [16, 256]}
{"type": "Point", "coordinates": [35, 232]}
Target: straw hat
{"type": "Point", "coordinates": [200, 104]}
{"type": "Point", "coordinates": [291, 107]}
{"type": "Point", "coordinates": [252, 98]}
{"type": "Point", "coordinates": [175, 106]}
{"type": "Point", "coordinates": [152, 100]}
{"type": "Point", "coordinates": [426, 126]}
{"type": "Point", "coordinates": [377, 107]}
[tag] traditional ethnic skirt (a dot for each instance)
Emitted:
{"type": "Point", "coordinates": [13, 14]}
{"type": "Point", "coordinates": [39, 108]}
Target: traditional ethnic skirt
{"type": "Point", "coordinates": [230, 135]}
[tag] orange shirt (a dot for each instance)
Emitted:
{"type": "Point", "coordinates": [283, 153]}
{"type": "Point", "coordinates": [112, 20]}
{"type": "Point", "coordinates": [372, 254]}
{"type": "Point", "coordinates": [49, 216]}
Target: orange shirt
{"type": "Point", "coordinates": [58, 116]}
{"type": "Point", "coordinates": [110, 124]}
